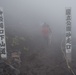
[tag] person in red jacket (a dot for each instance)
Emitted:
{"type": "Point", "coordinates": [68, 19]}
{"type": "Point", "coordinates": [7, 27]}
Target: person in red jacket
{"type": "Point", "coordinates": [46, 32]}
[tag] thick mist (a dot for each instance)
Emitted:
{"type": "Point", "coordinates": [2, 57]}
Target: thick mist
{"type": "Point", "coordinates": [29, 14]}
{"type": "Point", "coordinates": [25, 17]}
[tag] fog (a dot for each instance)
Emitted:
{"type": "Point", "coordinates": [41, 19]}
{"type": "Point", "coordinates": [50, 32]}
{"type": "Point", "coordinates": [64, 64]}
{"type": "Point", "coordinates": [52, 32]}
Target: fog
{"type": "Point", "coordinates": [29, 14]}
{"type": "Point", "coordinates": [26, 16]}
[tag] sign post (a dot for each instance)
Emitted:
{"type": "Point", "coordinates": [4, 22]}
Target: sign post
{"type": "Point", "coordinates": [68, 40]}
{"type": "Point", "coordinates": [3, 52]}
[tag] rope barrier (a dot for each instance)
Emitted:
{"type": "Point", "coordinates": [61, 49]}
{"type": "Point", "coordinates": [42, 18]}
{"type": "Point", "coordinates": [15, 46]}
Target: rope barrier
{"type": "Point", "coordinates": [69, 67]}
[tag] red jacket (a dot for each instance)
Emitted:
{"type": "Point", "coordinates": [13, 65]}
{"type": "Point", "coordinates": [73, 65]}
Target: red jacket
{"type": "Point", "coordinates": [46, 31]}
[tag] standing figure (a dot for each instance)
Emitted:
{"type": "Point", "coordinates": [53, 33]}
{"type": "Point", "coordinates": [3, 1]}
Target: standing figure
{"type": "Point", "coordinates": [46, 33]}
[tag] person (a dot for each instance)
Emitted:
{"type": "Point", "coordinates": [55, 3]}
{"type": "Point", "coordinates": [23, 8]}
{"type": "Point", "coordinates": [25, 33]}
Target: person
{"type": "Point", "coordinates": [46, 32]}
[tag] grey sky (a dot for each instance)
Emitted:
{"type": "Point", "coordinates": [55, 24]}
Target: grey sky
{"type": "Point", "coordinates": [29, 14]}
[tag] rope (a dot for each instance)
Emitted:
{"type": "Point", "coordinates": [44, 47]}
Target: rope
{"type": "Point", "coordinates": [69, 67]}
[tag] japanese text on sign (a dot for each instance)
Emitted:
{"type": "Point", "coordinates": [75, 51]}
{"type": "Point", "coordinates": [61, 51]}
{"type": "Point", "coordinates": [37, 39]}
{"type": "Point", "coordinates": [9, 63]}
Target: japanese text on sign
{"type": "Point", "coordinates": [68, 30]}
{"type": "Point", "coordinates": [2, 35]}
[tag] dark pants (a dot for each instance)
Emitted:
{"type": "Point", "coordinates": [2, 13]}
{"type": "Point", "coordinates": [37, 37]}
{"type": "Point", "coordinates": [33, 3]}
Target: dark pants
{"type": "Point", "coordinates": [46, 41]}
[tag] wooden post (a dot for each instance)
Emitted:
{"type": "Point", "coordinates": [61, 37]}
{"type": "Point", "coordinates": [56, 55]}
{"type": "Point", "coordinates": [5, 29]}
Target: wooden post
{"type": "Point", "coordinates": [3, 51]}
{"type": "Point", "coordinates": [68, 41]}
